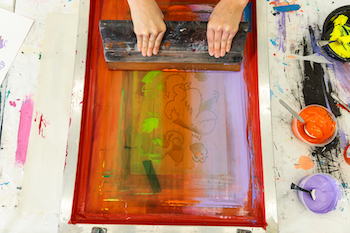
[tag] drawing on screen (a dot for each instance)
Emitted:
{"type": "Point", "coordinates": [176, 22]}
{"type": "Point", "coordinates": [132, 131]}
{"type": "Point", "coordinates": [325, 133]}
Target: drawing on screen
{"type": "Point", "coordinates": [199, 152]}
{"type": "Point", "coordinates": [155, 83]}
{"type": "Point", "coordinates": [188, 109]}
{"type": "Point", "coordinates": [171, 145]}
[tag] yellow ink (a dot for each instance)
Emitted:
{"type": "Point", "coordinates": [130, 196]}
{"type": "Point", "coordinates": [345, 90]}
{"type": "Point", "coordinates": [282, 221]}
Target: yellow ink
{"type": "Point", "coordinates": [341, 33]}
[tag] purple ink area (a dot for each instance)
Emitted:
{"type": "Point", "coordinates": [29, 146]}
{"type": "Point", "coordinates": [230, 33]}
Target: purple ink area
{"type": "Point", "coordinates": [25, 123]}
{"type": "Point", "coordinates": [327, 193]}
{"type": "Point", "coordinates": [239, 155]}
{"type": "Point", "coordinates": [236, 97]}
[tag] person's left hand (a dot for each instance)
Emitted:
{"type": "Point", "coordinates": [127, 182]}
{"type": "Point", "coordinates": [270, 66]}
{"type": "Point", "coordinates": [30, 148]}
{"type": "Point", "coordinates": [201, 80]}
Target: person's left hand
{"type": "Point", "coordinates": [223, 25]}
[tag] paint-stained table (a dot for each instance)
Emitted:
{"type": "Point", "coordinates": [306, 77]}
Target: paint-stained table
{"type": "Point", "coordinates": [302, 74]}
{"type": "Point", "coordinates": [296, 76]}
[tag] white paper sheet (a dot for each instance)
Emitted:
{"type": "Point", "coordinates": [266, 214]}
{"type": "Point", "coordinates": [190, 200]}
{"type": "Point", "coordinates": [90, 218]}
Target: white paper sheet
{"type": "Point", "coordinates": [13, 30]}
{"type": "Point", "coordinates": [43, 175]}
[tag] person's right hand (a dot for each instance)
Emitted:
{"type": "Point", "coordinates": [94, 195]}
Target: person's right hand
{"type": "Point", "coordinates": [149, 26]}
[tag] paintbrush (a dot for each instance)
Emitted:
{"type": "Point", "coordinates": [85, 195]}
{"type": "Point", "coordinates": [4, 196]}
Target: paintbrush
{"type": "Point", "coordinates": [322, 43]}
{"type": "Point", "coordinates": [312, 192]}
{"type": "Point", "coordinates": [340, 40]}
{"type": "Point", "coordinates": [340, 102]}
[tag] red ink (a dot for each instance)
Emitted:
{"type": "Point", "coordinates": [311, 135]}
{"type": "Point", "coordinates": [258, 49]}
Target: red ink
{"type": "Point", "coordinates": [42, 124]}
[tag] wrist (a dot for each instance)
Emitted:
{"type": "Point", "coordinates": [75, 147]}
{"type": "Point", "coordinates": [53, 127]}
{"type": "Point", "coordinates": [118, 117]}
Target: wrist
{"type": "Point", "coordinates": [241, 4]}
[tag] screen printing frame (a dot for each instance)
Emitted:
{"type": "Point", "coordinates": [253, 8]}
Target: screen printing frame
{"type": "Point", "coordinates": [75, 128]}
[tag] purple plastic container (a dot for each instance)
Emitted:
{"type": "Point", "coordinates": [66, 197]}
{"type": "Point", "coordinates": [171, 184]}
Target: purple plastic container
{"type": "Point", "coordinates": [327, 192]}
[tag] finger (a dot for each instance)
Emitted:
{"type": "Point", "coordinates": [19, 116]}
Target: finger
{"type": "Point", "coordinates": [217, 43]}
{"type": "Point", "coordinates": [157, 43]}
{"type": "Point", "coordinates": [145, 40]}
{"type": "Point", "coordinates": [223, 43]}
{"type": "Point", "coordinates": [151, 42]}
{"type": "Point", "coordinates": [210, 39]}
{"type": "Point", "coordinates": [139, 43]}
{"type": "Point", "coordinates": [229, 41]}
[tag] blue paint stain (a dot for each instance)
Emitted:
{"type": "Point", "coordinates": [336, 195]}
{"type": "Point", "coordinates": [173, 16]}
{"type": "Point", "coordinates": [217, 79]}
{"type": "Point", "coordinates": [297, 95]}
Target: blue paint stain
{"type": "Point", "coordinates": [279, 88]}
{"type": "Point", "coordinates": [247, 15]}
{"type": "Point", "coordinates": [272, 94]}
{"type": "Point", "coordinates": [5, 183]}
{"type": "Point", "coordinates": [273, 42]}
{"type": "Point", "coordinates": [287, 8]}
{"type": "Point", "coordinates": [345, 185]}
{"type": "Point", "coordinates": [285, 64]}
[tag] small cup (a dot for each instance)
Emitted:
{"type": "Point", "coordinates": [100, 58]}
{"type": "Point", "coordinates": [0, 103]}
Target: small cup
{"type": "Point", "coordinates": [328, 193]}
{"type": "Point", "coordinates": [327, 122]}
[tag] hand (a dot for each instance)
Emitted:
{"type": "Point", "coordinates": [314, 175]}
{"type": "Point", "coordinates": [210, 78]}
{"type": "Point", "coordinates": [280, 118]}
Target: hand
{"type": "Point", "coordinates": [149, 26]}
{"type": "Point", "coordinates": [223, 25]}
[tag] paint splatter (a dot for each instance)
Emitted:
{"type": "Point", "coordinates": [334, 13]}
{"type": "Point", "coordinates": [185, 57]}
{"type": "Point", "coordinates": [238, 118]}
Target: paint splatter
{"type": "Point", "coordinates": [272, 94]}
{"type": "Point", "coordinates": [2, 65]}
{"type": "Point", "coordinates": [273, 42]}
{"type": "Point", "coordinates": [287, 8]}
{"type": "Point", "coordinates": [279, 88]}
{"type": "Point", "coordinates": [42, 123]}
{"type": "Point", "coordinates": [13, 103]}
{"type": "Point", "coordinates": [282, 34]}
{"type": "Point", "coordinates": [305, 163]}
{"type": "Point", "coordinates": [25, 123]}
{"type": "Point", "coordinates": [2, 42]}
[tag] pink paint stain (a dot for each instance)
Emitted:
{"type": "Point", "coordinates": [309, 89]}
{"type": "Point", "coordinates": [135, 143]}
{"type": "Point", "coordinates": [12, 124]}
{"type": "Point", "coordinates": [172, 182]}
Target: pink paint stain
{"type": "Point", "coordinates": [42, 123]}
{"type": "Point", "coordinates": [25, 123]}
{"type": "Point", "coordinates": [13, 103]}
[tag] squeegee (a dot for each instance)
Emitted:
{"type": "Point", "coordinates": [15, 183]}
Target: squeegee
{"type": "Point", "coordinates": [184, 47]}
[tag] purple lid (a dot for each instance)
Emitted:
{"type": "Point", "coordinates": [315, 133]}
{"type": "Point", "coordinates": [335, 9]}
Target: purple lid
{"type": "Point", "coordinates": [327, 193]}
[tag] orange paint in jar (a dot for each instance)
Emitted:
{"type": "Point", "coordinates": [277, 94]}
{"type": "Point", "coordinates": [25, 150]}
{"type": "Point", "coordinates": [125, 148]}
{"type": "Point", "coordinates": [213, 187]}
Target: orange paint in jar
{"type": "Point", "coordinates": [320, 124]}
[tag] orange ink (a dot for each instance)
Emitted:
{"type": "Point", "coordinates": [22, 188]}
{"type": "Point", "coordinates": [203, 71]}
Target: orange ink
{"type": "Point", "coordinates": [320, 125]}
{"type": "Point", "coordinates": [305, 163]}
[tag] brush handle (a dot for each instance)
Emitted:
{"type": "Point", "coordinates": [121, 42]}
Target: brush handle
{"type": "Point", "coordinates": [340, 102]}
{"type": "Point", "coordinates": [322, 43]}
{"type": "Point", "coordinates": [296, 187]}
{"type": "Point", "coordinates": [294, 113]}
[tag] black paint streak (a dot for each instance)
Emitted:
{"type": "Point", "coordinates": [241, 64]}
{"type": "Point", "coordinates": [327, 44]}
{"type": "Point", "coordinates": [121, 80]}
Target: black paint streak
{"type": "Point", "coordinates": [317, 91]}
